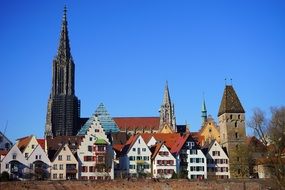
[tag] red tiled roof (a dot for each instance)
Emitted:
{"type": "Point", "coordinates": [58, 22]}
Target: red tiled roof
{"type": "Point", "coordinates": [23, 142]}
{"type": "Point", "coordinates": [42, 143]}
{"type": "Point", "coordinates": [155, 149]}
{"type": "Point", "coordinates": [3, 152]}
{"type": "Point", "coordinates": [132, 123]}
{"type": "Point", "coordinates": [129, 144]}
{"type": "Point", "coordinates": [200, 139]}
{"type": "Point", "coordinates": [174, 141]}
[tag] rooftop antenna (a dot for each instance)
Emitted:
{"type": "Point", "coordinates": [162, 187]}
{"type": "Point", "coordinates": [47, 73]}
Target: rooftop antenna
{"type": "Point", "coordinates": [6, 125]}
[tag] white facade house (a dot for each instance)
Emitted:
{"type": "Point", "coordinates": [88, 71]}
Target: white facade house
{"type": "Point", "coordinates": [197, 162]}
{"type": "Point", "coordinates": [5, 143]}
{"type": "Point", "coordinates": [136, 157]}
{"type": "Point", "coordinates": [95, 160]}
{"type": "Point", "coordinates": [39, 163]}
{"type": "Point", "coordinates": [217, 161]}
{"type": "Point", "coordinates": [64, 164]}
{"type": "Point", "coordinates": [15, 163]}
{"type": "Point", "coordinates": [163, 162]}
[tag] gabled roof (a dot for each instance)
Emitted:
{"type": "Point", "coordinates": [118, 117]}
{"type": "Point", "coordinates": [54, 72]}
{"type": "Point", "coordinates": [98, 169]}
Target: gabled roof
{"type": "Point", "coordinates": [52, 154]}
{"type": "Point", "coordinates": [106, 120]}
{"type": "Point", "coordinates": [199, 139]}
{"type": "Point", "coordinates": [23, 142]}
{"type": "Point", "coordinates": [141, 123]}
{"type": "Point", "coordinates": [3, 152]}
{"type": "Point", "coordinates": [174, 141]}
{"type": "Point", "coordinates": [230, 102]}
{"type": "Point", "coordinates": [129, 144]}
{"type": "Point", "coordinates": [73, 142]}
{"type": "Point", "coordinates": [42, 143]}
{"type": "Point", "coordinates": [155, 149]}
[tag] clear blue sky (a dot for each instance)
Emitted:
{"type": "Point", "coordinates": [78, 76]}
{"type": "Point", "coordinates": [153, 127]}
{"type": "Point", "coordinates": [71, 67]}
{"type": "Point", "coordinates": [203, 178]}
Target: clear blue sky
{"type": "Point", "coordinates": [124, 51]}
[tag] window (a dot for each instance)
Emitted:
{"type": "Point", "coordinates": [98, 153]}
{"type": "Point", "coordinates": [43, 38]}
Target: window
{"type": "Point", "coordinates": [216, 153]}
{"type": "Point", "coordinates": [132, 158]}
{"type": "Point", "coordinates": [33, 146]}
{"type": "Point", "coordinates": [84, 169]}
{"type": "Point", "coordinates": [231, 116]}
{"type": "Point", "coordinates": [96, 130]}
{"type": "Point", "coordinates": [146, 166]}
{"type": "Point", "coordinates": [210, 130]}
{"type": "Point", "coordinates": [91, 168]}
{"type": "Point", "coordinates": [134, 149]}
{"type": "Point", "coordinates": [143, 149]}
{"type": "Point", "coordinates": [60, 176]}
{"type": "Point", "coordinates": [236, 134]}
{"type": "Point", "coordinates": [14, 156]}
{"type": "Point", "coordinates": [139, 158]}
{"type": "Point", "coordinates": [193, 151]}
{"type": "Point", "coordinates": [101, 148]}
{"type": "Point", "coordinates": [90, 148]}
{"type": "Point", "coordinates": [145, 158]}
{"type": "Point", "coordinates": [60, 166]}
{"type": "Point", "coordinates": [26, 155]}
{"type": "Point", "coordinates": [54, 176]}
{"type": "Point", "coordinates": [101, 159]}
{"type": "Point", "coordinates": [60, 157]}
{"type": "Point", "coordinates": [40, 157]}
{"type": "Point", "coordinates": [64, 148]}
{"type": "Point", "coordinates": [236, 124]}
{"type": "Point", "coordinates": [68, 158]}
{"type": "Point", "coordinates": [36, 157]}
{"type": "Point", "coordinates": [132, 166]}
{"type": "Point", "coordinates": [88, 158]}
{"type": "Point", "coordinates": [54, 167]}
{"type": "Point", "coordinates": [238, 159]}
{"type": "Point", "coordinates": [139, 151]}
{"type": "Point", "coordinates": [7, 166]}
{"type": "Point", "coordinates": [238, 116]}
{"type": "Point", "coordinates": [90, 139]}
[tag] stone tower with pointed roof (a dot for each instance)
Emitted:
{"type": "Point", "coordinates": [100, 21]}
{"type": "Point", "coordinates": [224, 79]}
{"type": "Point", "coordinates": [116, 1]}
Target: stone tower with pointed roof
{"type": "Point", "coordinates": [232, 128]}
{"type": "Point", "coordinates": [63, 106]}
{"type": "Point", "coordinates": [167, 114]}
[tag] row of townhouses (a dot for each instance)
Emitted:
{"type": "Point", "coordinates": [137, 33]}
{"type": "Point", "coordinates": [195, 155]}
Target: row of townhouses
{"type": "Point", "coordinates": [162, 155]}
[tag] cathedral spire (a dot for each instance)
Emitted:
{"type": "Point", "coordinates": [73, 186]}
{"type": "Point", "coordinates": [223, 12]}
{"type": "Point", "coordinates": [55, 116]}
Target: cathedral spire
{"type": "Point", "coordinates": [64, 48]}
{"type": "Point", "coordinates": [166, 96]}
{"type": "Point", "coordinates": [167, 114]}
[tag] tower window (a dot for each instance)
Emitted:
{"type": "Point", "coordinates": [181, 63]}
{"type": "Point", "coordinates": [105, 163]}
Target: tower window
{"type": "Point", "coordinates": [238, 116]}
{"type": "Point", "coordinates": [236, 124]}
{"type": "Point", "coordinates": [236, 134]}
{"type": "Point", "coordinates": [231, 116]}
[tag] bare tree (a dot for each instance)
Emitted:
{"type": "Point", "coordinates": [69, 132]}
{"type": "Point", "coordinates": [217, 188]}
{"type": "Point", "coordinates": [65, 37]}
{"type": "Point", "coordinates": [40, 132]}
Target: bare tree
{"type": "Point", "coordinates": [272, 134]}
{"type": "Point", "coordinates": [258, 123]}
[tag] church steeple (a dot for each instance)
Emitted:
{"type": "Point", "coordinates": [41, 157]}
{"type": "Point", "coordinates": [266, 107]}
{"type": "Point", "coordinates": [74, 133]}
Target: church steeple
{"type": "Point", "coordinates": [166, 96]}
{"type": "Point", "coordinates": [167, 115]}
{"type": "Point", "coordinates": [63, 72]}
{"type": "Point", "coordinates": [204, 111]}
{"type": "Point", "coordinates": [63, 111]}
{"type": "Point", "coordinates": [64, 49]}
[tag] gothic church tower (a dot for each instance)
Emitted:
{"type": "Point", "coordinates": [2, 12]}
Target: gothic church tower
{"type": "Point", "coordinates": [167, 115]}
{"type": "Point", "coordinates": [232, 129]}
{"type": "Point", "coordinates": [63, 106]}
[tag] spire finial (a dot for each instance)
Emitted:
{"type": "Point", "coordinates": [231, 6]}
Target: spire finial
{"type": "Point", "coordinates": [64, 12]}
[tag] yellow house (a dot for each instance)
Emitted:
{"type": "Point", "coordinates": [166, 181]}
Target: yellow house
{"type": "Point", "coordinates": [210, 130]}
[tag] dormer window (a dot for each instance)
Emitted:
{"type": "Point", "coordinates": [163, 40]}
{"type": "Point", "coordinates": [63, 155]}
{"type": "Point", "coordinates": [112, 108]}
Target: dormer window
{"type": "Point", "coordinates": [14, 156]}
